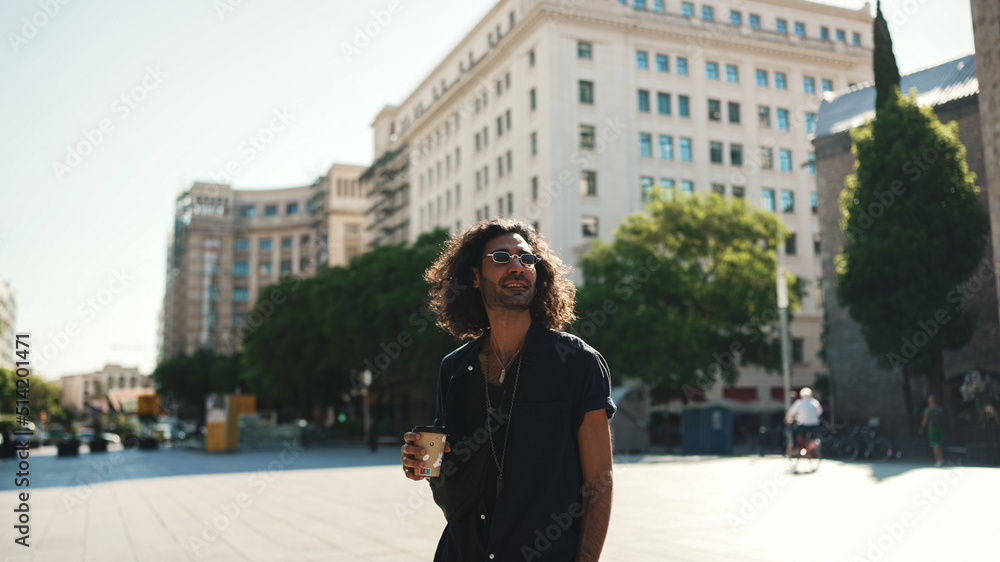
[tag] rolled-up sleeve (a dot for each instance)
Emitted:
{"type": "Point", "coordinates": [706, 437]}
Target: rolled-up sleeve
{"type": "Point", "coordinates": [594, 388]}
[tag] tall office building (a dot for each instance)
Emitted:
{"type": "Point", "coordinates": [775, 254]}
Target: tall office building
{"type": "Point", "coordinates": [566, 113]}
{"type": "Point", "coordinates": [8, 325]}
{"type": "Point", "coordinates": [228, 245]}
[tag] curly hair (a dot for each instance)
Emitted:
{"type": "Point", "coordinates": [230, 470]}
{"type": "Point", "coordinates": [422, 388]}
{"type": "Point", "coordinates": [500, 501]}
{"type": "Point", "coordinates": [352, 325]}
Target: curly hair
{"type": "Point", "coordinates": [459, 306]}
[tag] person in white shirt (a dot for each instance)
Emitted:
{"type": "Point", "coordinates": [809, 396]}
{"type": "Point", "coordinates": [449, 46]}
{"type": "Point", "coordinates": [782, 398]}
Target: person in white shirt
{"type": "Point", "coordinates": [804, 413]}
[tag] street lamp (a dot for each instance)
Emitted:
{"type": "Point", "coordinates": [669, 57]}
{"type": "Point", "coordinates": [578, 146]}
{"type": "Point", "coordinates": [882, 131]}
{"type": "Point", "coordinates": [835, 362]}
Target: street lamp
{"type": "Point", "coordinates": [366, 381]}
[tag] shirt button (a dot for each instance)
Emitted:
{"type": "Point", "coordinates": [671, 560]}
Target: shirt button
{"type": "Point", "coordinates": [491, 557]}
{"type": "Point", "coordinates": [470, 367]}
{"type": "Point", "coordinates": [482, 516]}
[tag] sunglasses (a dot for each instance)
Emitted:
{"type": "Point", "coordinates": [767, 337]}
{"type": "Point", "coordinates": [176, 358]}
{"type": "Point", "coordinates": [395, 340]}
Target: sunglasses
{"type": "Point", "coordinates": [501, 256]}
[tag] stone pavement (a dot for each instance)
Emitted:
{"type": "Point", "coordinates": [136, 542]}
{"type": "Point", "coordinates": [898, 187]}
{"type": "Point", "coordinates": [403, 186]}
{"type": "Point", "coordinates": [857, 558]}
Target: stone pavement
{"type": "Point", "coordinates": [350, 504]}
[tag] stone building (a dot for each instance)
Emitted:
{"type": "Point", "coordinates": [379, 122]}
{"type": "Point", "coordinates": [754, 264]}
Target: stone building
{"type": "Point", "coordinates": [860, 389]}
{"type": "Point", "coordinates": [80, 392]}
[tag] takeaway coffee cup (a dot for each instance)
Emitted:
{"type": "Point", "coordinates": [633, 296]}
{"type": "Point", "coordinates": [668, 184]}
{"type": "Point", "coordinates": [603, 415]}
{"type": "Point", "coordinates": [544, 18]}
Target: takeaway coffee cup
{"type": "Point", "coordinates": [432, 439]}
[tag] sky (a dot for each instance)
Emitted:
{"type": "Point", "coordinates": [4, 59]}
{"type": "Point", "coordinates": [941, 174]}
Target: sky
{"type": "Point", "coordinates": [110, 109]}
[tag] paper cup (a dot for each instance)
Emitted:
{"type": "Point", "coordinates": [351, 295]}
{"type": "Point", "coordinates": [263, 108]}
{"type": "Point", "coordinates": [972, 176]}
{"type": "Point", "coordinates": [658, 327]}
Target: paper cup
{"type": "Point", "coordinates": [432, 439]}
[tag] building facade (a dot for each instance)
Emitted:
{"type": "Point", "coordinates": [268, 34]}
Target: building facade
{"type": "Point", "coordinates": [566, 114]}
{"type": "Point", "coordinates": [228, 245]}
{"type": "Point", "coordinates": [92, 389]}
{"type": "Point", "coordinates": [8, 325]}
{"type": "Point", "coordinates": [861, 390]}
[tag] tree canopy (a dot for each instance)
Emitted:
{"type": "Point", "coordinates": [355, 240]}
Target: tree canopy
{"type": "Point", "coordinates": [686, 292]}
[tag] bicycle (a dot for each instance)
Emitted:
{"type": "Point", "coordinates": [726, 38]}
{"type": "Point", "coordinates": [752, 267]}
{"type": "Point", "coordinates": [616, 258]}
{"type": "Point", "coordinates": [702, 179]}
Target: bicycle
{"type": "Point", "coordinates": [807, 453]}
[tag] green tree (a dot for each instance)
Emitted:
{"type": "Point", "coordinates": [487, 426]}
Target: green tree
{"type": "Point", "coordinates": [188, 379]}
{"type": "Point", "coordinates": [685, 293]}
{"type": "Point", "coordinates": [914, 229]}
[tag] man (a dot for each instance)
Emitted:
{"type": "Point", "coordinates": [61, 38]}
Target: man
{"type": "Point", "coordinates": [805, 413]}
{"type": "Point", "coordinates": [934, 422]}
{"type": "Point", "coordinates": [528, 473]}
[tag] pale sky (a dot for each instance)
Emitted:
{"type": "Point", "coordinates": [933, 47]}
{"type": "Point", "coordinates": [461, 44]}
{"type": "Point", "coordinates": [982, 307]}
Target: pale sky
{"type": "Point", "coordinates": [84, 244]}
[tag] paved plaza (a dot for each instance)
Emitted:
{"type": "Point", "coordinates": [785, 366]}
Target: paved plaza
{"type": "Point", "coordinates": [352, 505]}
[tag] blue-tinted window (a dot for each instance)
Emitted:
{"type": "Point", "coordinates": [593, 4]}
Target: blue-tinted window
{"type": "Point", "coordinates": [682, 66]}
{"type": "Point", "coordinates": [824, 33]}
{"type": "Point", "coordinates": [782, 119]}
{"type": "Point", "coordinates": [810, 122]}
{"type": "Point", "coordinates": [645, 145]}
{"type": "Point", "coordinates": [685, 144]}
{"type": "Point", "coordinates": [841, 36]}
{"type": "Point", "coordinates": [237, 319]}
{"type": "Point", "coordinates": [265, 244]}
{"type": "Point", "coordinates": [827, 85]}
{"type": "Point", "coordinates": [800, 29]}
{"type": "Point", "coordinates": [586, 92]}
{"type": "Point", "coordinates": [785, 160]}
{"type": "Point", "coordinates": [642, 60]}
{"type": "Point", "coordinates": [781, 26]}
{"type": "Point", "coordinates": [291, 208]}
{"type": "Point", "coordinates": [266, 268]}
{"type": "Point", "coordinates": [663, 103]}
{"type": "Point", "coordinates": [666, 147]}
{"type": "Point", "coordinates": [814, 201]}
{"type": "Point", "coordinates": [683, 106]}
{"type": "Point", "coordinates": [241, 294]}
{"type": "Point", "coordinates": [646, 184]}
{"type": "Point", "coordinates": [767, 195]}
{"type": "Point", "coordinates": [242, 245]}
{"type": "Point", "coordinates": [271, 211]}
{"type": "Point", "coordinates": [248, 211]}
{"type": "Point", "coordinates": [712, 70]}
{"type": "Point", "coordinates": [761, 78]}
{"type": "Point", "coordinates": [644, 101]}
{"type": "Point", "coordinates": [241, 268]}
{"type": "Point", "coordinates": [732, 74]}
{"type": "Point", "coordinates": [639, 4]}
{"type": "Point", "coordinates": [584, 50]}
{"type": "Point", "coordinates": [856, 39]}
{"type": "Point", "coordinates": [687, 186]}
{"type": "Point", "coordinates": [780, 81]}
{"type": "Point", "coordinates": [286, 243]}
{"type": "Point", "coordinates": [662, 63]}
{"type": "Point", "coordinates": [658, 6]}
{"type": "Point", "coordinates": [687, 9]}
{"type": "Point", "coordinates": [754, 21]}
{"type": "Point", "coordinates": [787, 201]}
{"type": "Point", "coordinates": [707, 13]}
{"type": "Point", "coordinates": [808, 84]}
{"type": "Point", "coordinates": [735, 18]}
{"type": "Point", "coordinates": [811, 163]}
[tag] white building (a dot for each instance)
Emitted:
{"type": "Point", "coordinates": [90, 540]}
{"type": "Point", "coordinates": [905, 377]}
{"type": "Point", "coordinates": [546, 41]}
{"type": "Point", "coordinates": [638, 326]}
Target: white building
{"type": "Point", "coordinates": [565, 112]}
{"type": "Point", "coordinates": [79, 391]}
{"type": "Point", "coordinates": [8, 325]}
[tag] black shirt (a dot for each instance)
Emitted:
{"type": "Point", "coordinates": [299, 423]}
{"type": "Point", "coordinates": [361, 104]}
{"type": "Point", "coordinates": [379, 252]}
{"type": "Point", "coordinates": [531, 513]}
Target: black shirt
{"type": "Point", "coordinates": [537, 513]}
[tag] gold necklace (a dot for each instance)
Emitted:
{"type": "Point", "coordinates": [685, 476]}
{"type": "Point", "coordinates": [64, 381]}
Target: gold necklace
{"type": "Point", "coordinates": [489, 413]}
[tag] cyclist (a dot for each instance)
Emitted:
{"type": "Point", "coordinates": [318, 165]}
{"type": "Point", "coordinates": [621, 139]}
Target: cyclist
{"type": "Point", "coordinates": [805, 413]}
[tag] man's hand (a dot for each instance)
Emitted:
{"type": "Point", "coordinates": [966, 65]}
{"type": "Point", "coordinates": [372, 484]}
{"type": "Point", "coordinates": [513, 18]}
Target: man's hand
{"type": "Point", "coordinates": [412, 455]}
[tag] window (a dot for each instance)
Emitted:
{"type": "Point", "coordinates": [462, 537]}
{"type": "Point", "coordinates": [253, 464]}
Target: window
{"type": "Point", "coordinates": [642, 60]}
{"type": "Point", "coordinates": [666, 147]}
{"type": "Point", "coordinates": [291, 208]}
{"type": "Point", "coordinates": [780, 81]}
{"type": "Point", "coordinates": [587, 133]}
{"type": "Point", "coordinates": [736, 154]}
{"type": "Point", "coordinates": [248, 211]}
{"type": "Point", "coordinates": [785, 160]}
{"type": "Point", "coordinates": [658, 6]}
{"type": "Point", "coordinates": [479, 146]}
{"type": "Point", "coordinates": [811, 163]}
{"type": "Point", "coordinates": [787, 201]}
{"type": "Point", "coordinates": [739, 191]}
{"type": "Point", "coordinates": [734, 112]}
{"type": "Point", "coordinates": [782, 119]}
{"type": "Point", "coordinates": [819, 292]}
{"type": "Point", "coordinates": [761, 78]}
{"type": "Point", "coordinates": [814, 202]}
{"type": "Point", "coordinates": [241, 294]}
{"type": "Point", "coordinates": [265, 268]}
{"type": "Point", "coordinates": [810, 122]}
{"type": "Point", "coordinates": [715, 152]}
{"type": "Point", "coordinates": [584, 50]}
{"type": "Point", "coordinates": [265, 245]}
{"type": "Point", "coordinates": [682, 66]}
{"type": "Point", "coordinates": [271, 211]}
{"type": "Point", "coordinates": [663, 103]}
{"type": "Point", "coordinates": [479, 180]}
{"type": "Point", "coordinates": [286, 243]}
{"type": "Point", "coordinates": [242, 245]}
{"type": "Point", "coordinates": [213, 292]}
{"type": "Point", "coordinates": [588, 226]}
{"type": "Point", "coordinates": [683, 106]}
{"type": "Point", "coordinates": [714, 110]}
{"type": "Point", "coordinates": [781, 26]}
{"type": "Point", "coordinates": [800, 29]}
{"type": "Point", "coordinates": [534, 188]}
{"type": "Point", "coordinates": [712, 70]}
{"type": "Point", "coordinates": [499, 88]}
{"type": "Point", "coordinates": [791, 245]}
{"type": "Point", "coordinates": [797, 354]}
{"type": "Point", "coordinates": [499, 126]}
{"type": "Point", "coordinates": [767, 158]}
{"type": "Point", "coordinates": [687, 9]}
{"type": "Point", "coordinates": [510, 164]}
{"type": "Point", "coordinates": [764, 116]}
{"type": "Point", "coordinates": [531, 100]}
{"type": "Point", "coordinates": [586, 92]}
{"type": "Point", "coordinates": [827, 85]}
{"type": "Point", "coordinates": [486, 139]}
{"type": "Point", "coordinates": [719, 188]}
{"type": "Point", "coordinates": [824, 33]}
{"type": "Point", "coordinates": [645, 145]}
{"type": "Point", "coordinates": [767, 199]}
{"type": "Point", "coordinates": [808, 84]}
{"type": "Point", "coordinates": [735, 18]}
{"type": "Point", "coordinates": [486, 176]}
{"type": "Point", "coordinates": [531, 57]}
{"type": "Point", "coordinates": [662, 63]}
{"type": "Point", "coordinates": [499, 166]}
{"type": "Point", "coordinates": [588, 183]}
{"type": "Point", "coordinates": [817, 243]}
{"type": "Point", "coordinates": [644, 101]}
{"type": "Point", "coordinates": [237, 319]}
{"type": "Point", "coordinates": [286, 266]}
{"type": "Point", "coordinates": [639, 4]}
{"type": "Point", "coordinates": [841, 36]}
{"type": "Point", "coordinates": [707, 13]}
{"type": "Point", "coordinates": [685, 144]}
{"type": "Point", "coordinates": [754, 21]}
{"type": "Point", "coordinates": [732, 74]}
{"type": "Point", "coordinates": [687, 187]}
{"type": "Point", "coordinates": [534, 144]}
{"type": "Point", "coordinates": [856, 39]}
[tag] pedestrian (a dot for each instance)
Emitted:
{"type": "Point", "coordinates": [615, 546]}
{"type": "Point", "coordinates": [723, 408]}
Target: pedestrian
{"type": "Point", "coordinates": [934, 423]}
{"type": "Point", "coordinates": [528, 471]}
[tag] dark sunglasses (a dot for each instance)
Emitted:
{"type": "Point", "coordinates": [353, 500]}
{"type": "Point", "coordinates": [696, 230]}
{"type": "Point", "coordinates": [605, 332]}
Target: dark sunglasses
{"type": "Point", "coordinates": [501, 256]}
